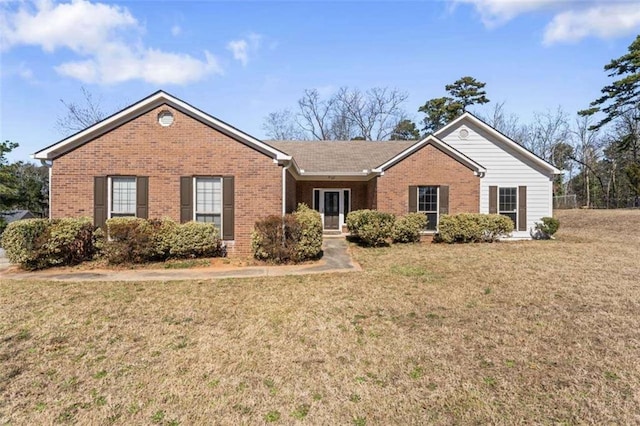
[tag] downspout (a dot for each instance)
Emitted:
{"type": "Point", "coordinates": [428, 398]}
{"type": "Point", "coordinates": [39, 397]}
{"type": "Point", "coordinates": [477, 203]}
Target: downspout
{"type": "Point", "coordinates": [284, 187]}
{"type": "Point", "coordinates": [284, 199]}
{"type": "Point", "coordinates": [48, 165]}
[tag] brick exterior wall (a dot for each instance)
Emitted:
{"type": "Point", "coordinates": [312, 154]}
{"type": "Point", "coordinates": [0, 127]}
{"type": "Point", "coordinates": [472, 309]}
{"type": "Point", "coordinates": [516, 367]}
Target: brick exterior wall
{"type": "Point", "coordinates": [428, 166]}
{"type": "Point", "coordinates": [144, 148]}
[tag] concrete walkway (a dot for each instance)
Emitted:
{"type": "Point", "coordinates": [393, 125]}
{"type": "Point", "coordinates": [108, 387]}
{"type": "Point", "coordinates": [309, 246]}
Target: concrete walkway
{"type": "Point", "coordinates": [336, 258]}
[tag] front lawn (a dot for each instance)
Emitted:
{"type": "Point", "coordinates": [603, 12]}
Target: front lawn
{"type": "Point", "coordinates": [525, 332]}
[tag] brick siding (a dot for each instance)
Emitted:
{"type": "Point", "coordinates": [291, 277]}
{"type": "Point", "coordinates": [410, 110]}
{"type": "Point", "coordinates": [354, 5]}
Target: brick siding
{"type": "Point", "coordinates": [428, 166]}
{"type": "Point", "coordinates": [188, 147]}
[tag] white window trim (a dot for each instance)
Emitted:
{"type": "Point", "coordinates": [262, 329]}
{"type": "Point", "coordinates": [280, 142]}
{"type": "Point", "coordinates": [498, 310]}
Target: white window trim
{"type": "Point", "coordinates": [500, 212]}
{"type": "Point", "coordinates": [342, 220]}
{"type": "Point", "coordinates": [110, 195]}
{"type": "Point", "coordinates": [437, 212]}
{"type": "Point", "coordinates": [195, 200]}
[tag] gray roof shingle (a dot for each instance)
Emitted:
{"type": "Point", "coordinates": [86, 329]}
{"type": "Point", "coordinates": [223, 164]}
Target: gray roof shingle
{"type": "Point", "coordinates": [340, 156]}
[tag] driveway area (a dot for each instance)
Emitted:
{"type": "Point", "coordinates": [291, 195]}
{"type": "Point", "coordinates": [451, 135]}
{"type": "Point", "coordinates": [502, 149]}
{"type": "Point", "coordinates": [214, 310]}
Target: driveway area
{"type": "Point", "coordinates": [336, 258]}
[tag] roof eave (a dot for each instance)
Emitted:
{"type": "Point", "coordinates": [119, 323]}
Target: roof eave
{"type": "Point", "coordinates": [146, 104]}
{"type": "Point", "coordinates": [522, 150]}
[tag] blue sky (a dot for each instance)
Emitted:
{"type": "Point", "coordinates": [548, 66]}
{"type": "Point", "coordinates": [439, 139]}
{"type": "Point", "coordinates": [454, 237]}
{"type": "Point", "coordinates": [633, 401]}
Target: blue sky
{"type": "Point", "coordinates": [241, 60]}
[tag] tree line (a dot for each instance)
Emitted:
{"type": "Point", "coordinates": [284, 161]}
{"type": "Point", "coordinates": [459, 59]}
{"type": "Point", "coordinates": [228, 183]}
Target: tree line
{"type": "Point", "coordinates": [23, 186]}
{"type": "Point", "coordinates": [598, 147]}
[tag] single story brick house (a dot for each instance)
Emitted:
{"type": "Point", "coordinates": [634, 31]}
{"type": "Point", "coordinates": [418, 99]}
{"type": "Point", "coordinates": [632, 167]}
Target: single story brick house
{"type": "Point", "coordinates": [162, 157]}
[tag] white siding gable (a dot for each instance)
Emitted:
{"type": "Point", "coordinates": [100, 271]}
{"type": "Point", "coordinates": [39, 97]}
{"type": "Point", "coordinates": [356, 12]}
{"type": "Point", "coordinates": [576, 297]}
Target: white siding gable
{"type": "Point", "coordinates": [505, 168]}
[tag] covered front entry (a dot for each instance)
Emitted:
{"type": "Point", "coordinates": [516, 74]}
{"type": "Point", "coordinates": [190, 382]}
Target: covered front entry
{"type": "Point", "coordinates": [333, 204]}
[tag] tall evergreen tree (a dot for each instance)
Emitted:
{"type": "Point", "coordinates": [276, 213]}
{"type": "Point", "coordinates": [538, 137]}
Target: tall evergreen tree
{"type": "Point", "coordinates": [467, 91]}
{"type": "Point", "coordinates": [464, 92]}
{"type": "Point", "coordinates": [623, 94]}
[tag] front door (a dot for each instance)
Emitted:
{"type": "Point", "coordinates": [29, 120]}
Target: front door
{"type": "Point", "coordinates": [331, 210]}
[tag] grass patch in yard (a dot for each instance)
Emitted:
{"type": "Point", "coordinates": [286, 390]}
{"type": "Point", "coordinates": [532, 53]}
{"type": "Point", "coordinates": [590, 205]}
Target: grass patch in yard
{"type": "Point", "coordinates": [515, 332]}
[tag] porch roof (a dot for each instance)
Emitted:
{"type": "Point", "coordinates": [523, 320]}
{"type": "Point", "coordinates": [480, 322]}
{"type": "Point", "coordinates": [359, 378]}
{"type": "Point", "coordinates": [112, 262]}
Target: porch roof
{"type": "Point", "coordinates": [342, 157]}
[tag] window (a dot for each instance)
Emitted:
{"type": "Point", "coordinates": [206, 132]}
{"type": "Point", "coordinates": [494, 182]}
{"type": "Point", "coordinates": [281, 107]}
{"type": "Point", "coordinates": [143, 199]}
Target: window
{"type": "Point", "coordinates": [123, 197]}
{"type": "Point", "coordinates": [208, 200]}
{"type": "Point", "coordinates": [428, 204]}
{"type": "Point", "coordinates": [508, 203]}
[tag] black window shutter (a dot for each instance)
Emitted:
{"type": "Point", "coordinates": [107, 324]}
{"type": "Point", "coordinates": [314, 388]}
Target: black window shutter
{"type": "Point", "coordinates": [228, 219]}
{"type": "Point", "coordinates": [413, 199]}
{"type": "Point", "coordinates": [522, 208]}
{"type": "Point", "coordinates": [186, 199]}
{"type": "Point", "coordinates": [316, 199]}
{"type": "Point", "coordinates": [444, 199]}
{"type": "Point", "coordinates": [142, 197]}
{"type": "Point", "coordinates": [346, 203]}
{"type": "Point", "coordinates": [493, 199]}
{"type": "Point", "coordinates": [100, 207]}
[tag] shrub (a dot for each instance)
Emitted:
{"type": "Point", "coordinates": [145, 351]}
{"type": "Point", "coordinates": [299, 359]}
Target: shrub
{"type": "Point", "coordinates": [371, 227]}
{"type": "Point", "coordinates": [290, 238]}
{"type": "Point", "coordinates": [130, 240]}
{"type": "Point", "coordinates": [3, 225]}
{"type": "Point", "coordinates": [276, 238]}
{"type": "Point", "coordinates": [310, 244]}
{"type": "Point", "coordinates": [473, 227]}
{"type": "Point", "coordinates": [546, 229]}
{"type": "Point", "coordinates": [191, 239]}
{"type": "Point", "coordinates": [496, 226]}
{"type": "Point", "coordinates": [21, 240]}
{"type": "Point", "coordinates": [67, 241]}
{"type": "Point", "coordinates": [41, 243]}
{"type": "Point", "coordinates": [99, 241]}
{"type": "Point", "coordinates": [407, 228]}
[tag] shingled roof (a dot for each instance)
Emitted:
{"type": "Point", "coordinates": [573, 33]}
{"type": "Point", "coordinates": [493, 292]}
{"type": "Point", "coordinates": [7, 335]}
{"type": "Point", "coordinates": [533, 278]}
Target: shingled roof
{"type": "Point", "coordinates": [340, 156]}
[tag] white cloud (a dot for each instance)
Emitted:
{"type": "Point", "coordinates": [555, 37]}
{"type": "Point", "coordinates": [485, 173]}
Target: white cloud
{"type": "Point", "coordinates": [239, 50]}
{"type": "Point", "coordinates": [497, 12]}
{"type": "Point", "coordinates": [243, 47]}
{"type": "Point", "coordinates": [107, 40]}
{"type": "Point", "coordinates": [603, 21]}
{"type": "Point", "coordinates": [571, 21]}
{"type": "Point", "coordinates": [176, 30]}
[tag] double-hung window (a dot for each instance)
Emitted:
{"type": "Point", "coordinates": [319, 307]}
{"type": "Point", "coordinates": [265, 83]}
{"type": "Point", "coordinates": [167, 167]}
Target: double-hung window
{"type": "Point", "coordinates": [508, 203]}
{"type": "Point", "coordinates": [428, 204]}
{"type": "Point", "coordinates": [208, 200]}
{"type": "Point", "coordinates": [123, 197]}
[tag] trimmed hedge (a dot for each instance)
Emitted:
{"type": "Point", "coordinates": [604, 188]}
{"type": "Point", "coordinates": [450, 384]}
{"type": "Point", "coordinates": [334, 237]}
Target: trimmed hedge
{"type": "Point", "coordinates": [135, 240]}
{"type": "Point", "coordinates": [310, 244]}
{"type": "Point", "coordinates": [371, 227]}
{"type": "Point", "coordinates": [407, 229]}
{"type": "Point", "coordinates": [130, 240]}
{"type": "Point", "coordinates": [275, 238]}
{"type": "Point", "coordinates": [546, 229]}
{"type": "Point", "coordinates": [291, 238]}
{"type": "Point", "coordinates": [473, 228]}
{"type": "Point", "coordinates": [193, 239]}
{"type": "Point", "coordinates": [42, 243]}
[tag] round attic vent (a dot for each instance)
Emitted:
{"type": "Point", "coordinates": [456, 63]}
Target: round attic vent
{"type": "Point", "coordinates": [165, 118]}
{"type": "Point", "coordinates": [464, 133]}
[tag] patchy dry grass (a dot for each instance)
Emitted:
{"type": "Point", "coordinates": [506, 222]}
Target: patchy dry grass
{"type": "Point", "coordinates": [528, 332]}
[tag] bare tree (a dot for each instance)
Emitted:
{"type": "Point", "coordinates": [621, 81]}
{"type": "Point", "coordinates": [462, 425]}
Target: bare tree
{"type": "Point", "coordinates": [374, 113]}
{"type": "Point", "coordinates": [79, 116]}
{"type": "Point", "coordinates": [586, 150]}
{"type": "Point", "coordinates": [348, 114]}
{"type": "Point", "coordinates": [281, 125]}
{"type": "Point", "coordinates": [549, 129]}
{"type": "Point", "coordinates": [507, 124]}
{"type": "Point", "coordinates": [315, 114]}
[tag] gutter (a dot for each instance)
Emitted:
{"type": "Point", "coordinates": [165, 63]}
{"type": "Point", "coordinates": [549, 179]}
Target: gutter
{"type": "Point", "coordinates": [284, 187]}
